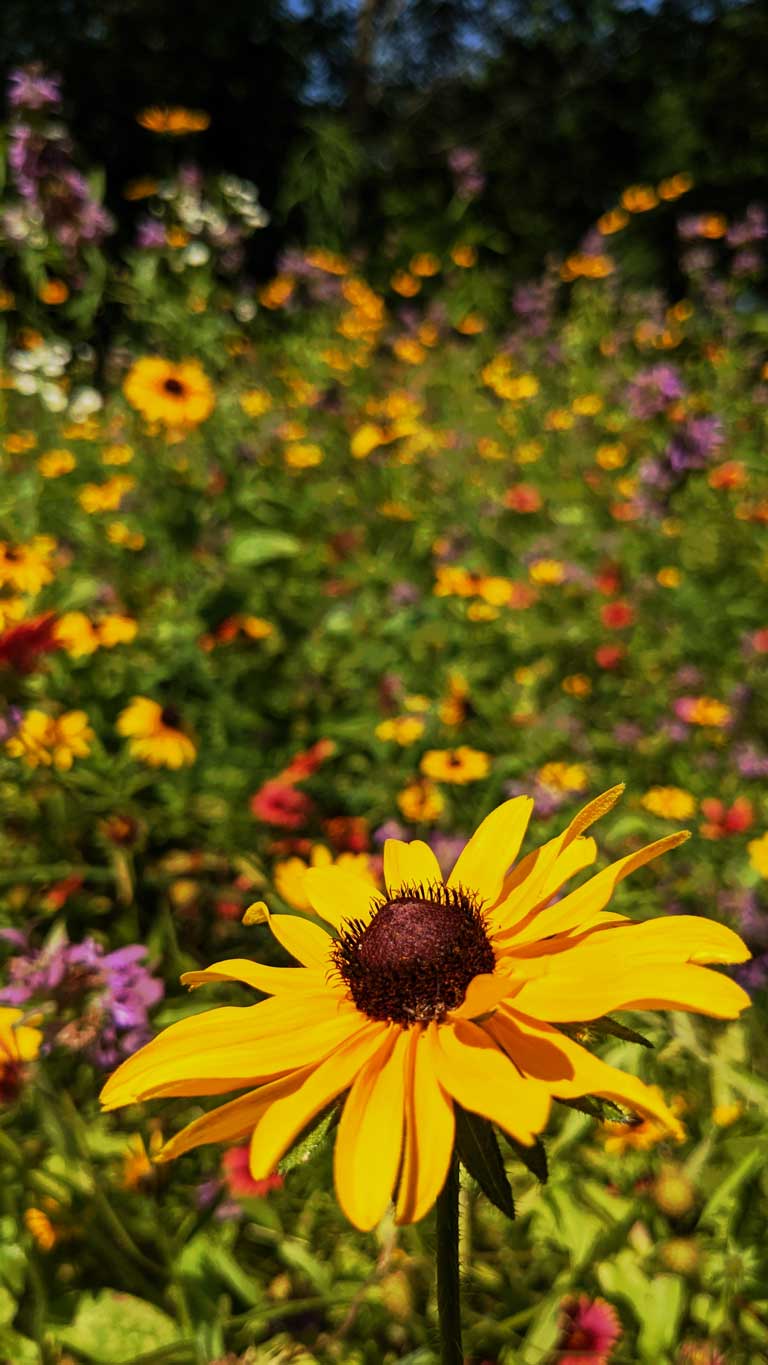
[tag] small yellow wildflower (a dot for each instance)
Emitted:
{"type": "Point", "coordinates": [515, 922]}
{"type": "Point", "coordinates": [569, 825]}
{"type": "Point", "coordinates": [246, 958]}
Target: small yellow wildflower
{"type": "Point", "coordinates": [302, 455]}
{"type": "Point", "coordinates": [576, 685]}
{"type": "Point", "coordinates": [155, 734]}
{"type": "Point", "coordinates": [120, 534]}
{"type": "Point", "coordinates": [105, 497]}
{"type": "Point", "coordinates": [255, 402]}
{"type": "Point", "coordinates": [563, 777]}
{"type": "Point", "coordinates": [758, 854]}
{"type": "Point", "coordinates": [403, 730]}
{"type": "Point", "coordinates": [456, 766]}
{"type": "Point", "coordinates": [546, 572]}
{"type": "Point", "coordinates": [27, 568]}
{"type": "Point", "coordinates": [75, 632]}
{"type": "Point", "coordinates": [421, 802]}
{"type": "Point", "coordinates": [51, 741]}
{"type": "Point", "coordinates": [669, 577]}
{"type": "Point", "coordinates": [723, 1115]}
{"type": "Point", "coordinates": [54, 463]}
{"type": "Point", "coordinates": [116, 629]}
{"type": "Point", "coordinates": [117, 454]}
{"type": "Point", "coordinates": [671, 803]}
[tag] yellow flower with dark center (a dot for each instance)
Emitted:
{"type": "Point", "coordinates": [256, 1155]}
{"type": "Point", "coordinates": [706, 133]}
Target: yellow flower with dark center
{"type": "Point", "coordinates": [51, 741]}
{"type": "Point", "coordinates": [641, 1134]}
{"type": "Point", "coordinates": [289, 874]}
{"type": "Point", "coordinates": [180, 396]}
{"type": "Point", "coordinates": [155, 734]}
{"type": "Point", "coordinates": [19, 1043]}
{"type": "Point", "coordinates": [27, 568]}
{"type": "Point", "coordinates": [74, 631]}
{"type": "Point", "coordinates": [455, 765]}
{"type": "Point", "coordinates": [173, 121]}
{"type": "Point", "coordinates": [429, 995]}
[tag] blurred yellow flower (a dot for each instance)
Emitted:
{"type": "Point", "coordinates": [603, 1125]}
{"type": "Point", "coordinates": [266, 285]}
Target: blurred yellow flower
{"type": "Point", "coordinates": [671, 803]}
{"type": "Point", "coordinates": [365, 439]}
{"type": "Point", "coordinates": [289, 874]}
{"type": "Point", "coordinates": [54, 463]}
{"type": "Point", "coordinates": [558, 419]}
{"type": "Point", "coordinates": [116, 629]}
{"type": "Point", "coordinates": [51, 741]}
{"type": "Point", "coordinates": [120, 534]}
{"type": "Point", "coordinates": [641, 1135]}
{"type": "Point", "coordinates": [27, 568]}
{"type": "Point", "coordinates": [256, 628]}
{"type": "Point", "coordinates": [155, 734]}
{"type": "Point", "coordinates": [563, 777]}
{"type": "Point", "coordinates": [403, 730]}
{"type": "Point", "coordinates": [456, 766]}
{"type": "Point", "coordinates": [528, 452]}
{"type": "Point", "coordinates": [611, 455]}
{"type": "Point", "coordinates": [277, 292]}
{"type": "Point", "coordinates": [421, 802]}
{"type": "Point", "coordinates": [117, 454]}
{"type": "Point", "coordinates": [546, 572]}
{"type": "Point", "coordinates": [612, 221]}
{"type": "Point", "coordinates": [302, 455]}
{"type": "Point", "coordinates": [669, 577]}
{"type": "Point", "coordinates": [19, 442]}
{"type": "Point", "coordinates": [255, 402]}
{"type": "Point", "coordinates": [723, 1115]}
{"type": "Point", "coordinates": [674, 186]}
{"type": "Point", "coordinates": [179, 396]}
{"type": "Point", "coordinates": [639, 198]}
{"type": "Point", "coordinates": [74, 631]}
{"type": "Point", "coordinates": [107, 496]}
{"type": "Point", "coordinates": [587, 405]}
{"type": "Point", "coordinates": [425, 263]}
{"type": "Point", "coordinates": [53, 292]}
{"type": "Point", "coordinates": [464, 256]}
{"type": "Point", "coordinates": [404, 284]}
{"type": "Point", "coordinates": [576, 685]}
{"type": "Point", "coordinates": [758, 854]}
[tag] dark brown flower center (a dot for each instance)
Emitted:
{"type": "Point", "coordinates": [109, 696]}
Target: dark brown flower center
{"type": "Point", "coordinates": [171, 717]}
{"type": "Point", "coordinates": [416, 957]}
{"type": "Point", "coordinates": [174, 387]}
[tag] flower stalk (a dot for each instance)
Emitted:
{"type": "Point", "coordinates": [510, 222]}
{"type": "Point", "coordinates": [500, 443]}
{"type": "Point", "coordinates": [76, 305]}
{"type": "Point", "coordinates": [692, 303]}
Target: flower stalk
{"type": "Point", "coordinates": [448, 1287]}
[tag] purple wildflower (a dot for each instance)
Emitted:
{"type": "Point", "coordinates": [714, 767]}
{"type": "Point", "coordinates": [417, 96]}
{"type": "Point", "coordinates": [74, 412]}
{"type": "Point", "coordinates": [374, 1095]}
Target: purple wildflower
{"type": "Point", "coordinates": [30, 88]}
{"type": "Point", "coordinates": [652, 390]}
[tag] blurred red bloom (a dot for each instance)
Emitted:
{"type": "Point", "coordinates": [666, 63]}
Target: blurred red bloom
{"type": "Point", "coordinates": [21, 645]}
{"type": "Point", "coordinates": [279, 803]}
{"type": "Point", "coordinates": [617, 615]}
{"type": "Point", "coordinates": [238, 1179]}
{"type": "Point", "coordinates": [722, 820]}
{"type": "Point", "coordinates": [522, 497]}
{"type": "Point", "coordinates": [732, 474]}
{"type": "Point", "coordinates": [609, 656]}
{"type": "Point", "coordinates": [348, 833]}
{"type": "Point", "coordinates": [608, 579]}
{"type": "Point", "coordinates": [307, 762]}
{"type": "Point", "coordinates": [590, 1331]}
{"type": "Point", "coordinates": [759, 640]}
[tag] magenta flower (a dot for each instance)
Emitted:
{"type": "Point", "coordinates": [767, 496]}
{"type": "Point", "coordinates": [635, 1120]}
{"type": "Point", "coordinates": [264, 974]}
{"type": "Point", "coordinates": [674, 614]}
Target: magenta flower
{"type": "Point", "coordinates": [590, 1331]}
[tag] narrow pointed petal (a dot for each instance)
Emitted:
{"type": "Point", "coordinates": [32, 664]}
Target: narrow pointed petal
{"type": "Point", "coordinates": [566, 994]}
{"type": "Point", "coordinates": [270, 980]}
{"type": "Point", "coordinates": [475, 1071]}
{"type": "Point", "coordinates": [564, 865]}
{"type": "Point", "coordinates": [571, 1071]}
{"type": "Point", "coordinates": [483, 864]}
{"type": "Point", "coordinates": [230, 1122]}
{"type": "Point", "coordinates": [586, 900]}
{"type": "Point", "coordinates": [484, 993]}
{"type": "Point", "coordinates": [338, 895]}
{"type": "Point", "coordinates": [411, 864]}
{"type": "Point", "coordinates": [429, 1130]}
{"type": "Point", "coordinates": [228, 1048]}
{"type": "Point", "coordinates": [307, 942]}
{"type": "Point", "coordinates": [286, 1116]}
{"type": "Point", "coordinates": [370, 1137]}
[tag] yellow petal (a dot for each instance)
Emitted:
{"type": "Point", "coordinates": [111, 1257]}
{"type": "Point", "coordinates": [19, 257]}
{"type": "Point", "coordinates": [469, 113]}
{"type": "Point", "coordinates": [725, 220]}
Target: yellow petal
{"type": "Point", "coordinates": [230, 1122]}
{"type": "Point", "coordinates": [475, 1071]}
{"type": "Point", "coordinates": [270, 980]}
{"type": "Point", "coordinates": [305, 941]}
{"type": "Point", "coordinates": [285, 1118]}
{"type": "Point", "coordinates": [338, 895]}
{"type": "Point", "coordinates": [228, 1048]}
{"type": "Point", "coordinates": [370, 1137]}
{"type": "Point", "coordinates": [571, 1071]}
{"type": "Point", "coordinates": [429, 1130]}
{"type": "Point", "coordinates": [484, 993]}
{"type": "Point", "coordinates": [569, 996]}
{"type": "Point", "coordinates": [562, 866]}
{"type": "Point", "coordinates": [586, 900]}
{"type": "Point", "coordinates": [495, 844]}
{"type": "Point", "coordinates": [410, 865]}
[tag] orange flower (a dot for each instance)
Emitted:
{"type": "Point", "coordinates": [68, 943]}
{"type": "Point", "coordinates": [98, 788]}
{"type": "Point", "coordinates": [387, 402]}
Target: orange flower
{"type": "Point", "coordinates": [173, 122]}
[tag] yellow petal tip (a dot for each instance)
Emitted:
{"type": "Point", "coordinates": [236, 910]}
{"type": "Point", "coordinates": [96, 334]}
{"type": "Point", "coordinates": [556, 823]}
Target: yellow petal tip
{"type": "Point", "coordinates": [255, 914]}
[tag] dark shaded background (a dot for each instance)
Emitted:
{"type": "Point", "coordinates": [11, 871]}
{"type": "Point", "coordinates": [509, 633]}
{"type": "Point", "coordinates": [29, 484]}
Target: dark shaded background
{"type": "Point", "coordinates": [344, 113]}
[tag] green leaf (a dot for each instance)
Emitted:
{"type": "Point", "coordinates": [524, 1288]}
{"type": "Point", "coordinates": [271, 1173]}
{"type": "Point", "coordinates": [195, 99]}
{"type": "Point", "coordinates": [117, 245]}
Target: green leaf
{"type": "Point", "coordinates": [249, 548]}
{"type": "Point", "coordinates": [617, 1030]}
{"type": "Point", "coordinates": [534, 1158]}
{"type": "Point", "coordinates": [479, 1152]}
{"type": "Point", "coordinates": [311, 1141]}
{"type": "Point", "coordinates": [113, 1329]}
{"type": "Point", "coordinates": [604, 1110]}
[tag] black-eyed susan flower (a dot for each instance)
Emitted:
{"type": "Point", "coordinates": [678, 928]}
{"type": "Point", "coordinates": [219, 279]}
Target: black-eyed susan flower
{"type": "Point", "coordinates": [27, 568]}
{"type": "Point", "coordinates": [429, 995]}
{"type": "Point", "coordinates": [19, 1044]}
{"type": "Point", "coordinates": [455, 765]}
{"type": "Point", "coordinates": [180, 396]}
{"type": "Point", "coordinates": [156, 734]}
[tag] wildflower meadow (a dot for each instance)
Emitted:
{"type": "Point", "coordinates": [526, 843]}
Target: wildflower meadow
{"type": "Point", "coordinates": [375, 630]}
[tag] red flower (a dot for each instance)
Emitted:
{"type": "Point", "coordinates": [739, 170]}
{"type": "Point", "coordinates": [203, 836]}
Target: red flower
{"type": "Point", "coordinates": [722, 820]}
{"type": "Point", "coordinates": [21, 645]}
{"type": "Point", "coordinates": [608, 579]}
{"type": "Point", "coordinates": [348, 833]}
{"type": "Point", "coordinates": [279, 803]}
{"type": "Point", "coordinates": [307, 762]}
{"type": "Point", "coordinates": [617, 615]}
{"type": "Point", "coordinates": [609, 656]}
{"type": "Point", "coordinates": [590, 1331]}
{"type": "Point", "coordinates": [732, 474]}
{"type": "Point", "coordinates": [238, 1179]}
{"type": "Point", "coordinates": [522, 497]}
{"type": "Point", "coordinates": [759, 640]}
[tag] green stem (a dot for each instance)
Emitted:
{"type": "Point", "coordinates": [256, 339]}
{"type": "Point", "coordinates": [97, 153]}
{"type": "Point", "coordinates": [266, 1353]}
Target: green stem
{"type": "Point", "coordinates": [448, 1289]}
